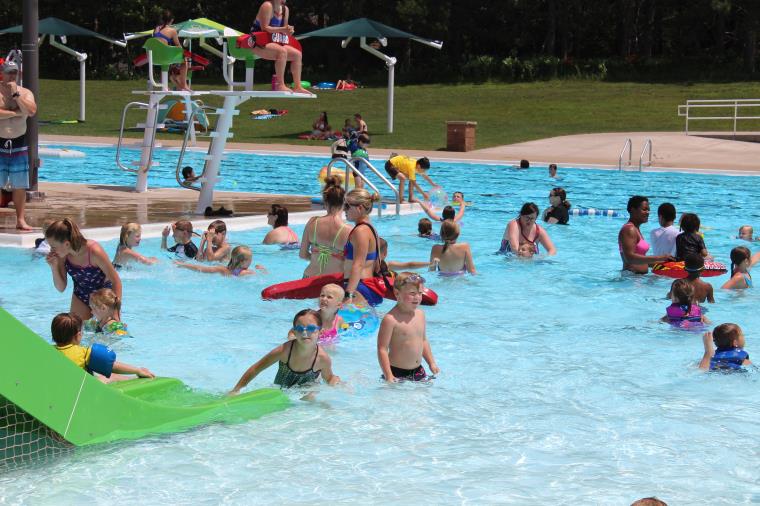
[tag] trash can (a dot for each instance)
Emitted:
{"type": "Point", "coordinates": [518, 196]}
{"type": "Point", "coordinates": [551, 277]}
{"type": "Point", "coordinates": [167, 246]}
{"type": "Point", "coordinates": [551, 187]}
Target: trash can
{"type": "Point", "coordinates": [460, 135]}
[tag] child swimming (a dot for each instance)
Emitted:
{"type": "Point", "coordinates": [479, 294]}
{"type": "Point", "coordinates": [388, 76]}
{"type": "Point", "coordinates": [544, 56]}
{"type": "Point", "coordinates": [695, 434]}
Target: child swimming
{"type": "Point", "coordinates": [730, 354]}
{"type": "Point", "coordinates": [301, 361]}
{"type": "Point", "coordinates": [240, 262]}
{"type": "Point", "coordinates": [84, 260]}
{"type": "Point", "coordinates": [747, 233]}
{"type": "Point", "coordinates": [689, 240]}
{"type": "Point", "coordinates": [129, 239]}
{"type": "Point", "coordinates": [683, 312]}
{"type": "Point", "coordinates": [693, 265]}
{"type": "Point", "coordinates": [448, 212]}
{"type": "Point", "coordinates": [214, 245]}
{"type": "Point", "coordinates": [105, 307]}
{"type": "Point", "coordinates": [451, 258]}
{"type": "Point", "coordinates": [330, 300]}
{"type": "Point", "coordinates": [182, 232]}
{"type": "Point", "coordinates": [66, 329]}
{"type": "Point", "coordinates": [742, 261]}
{"type": "Point", "coordinates": [402, 341]}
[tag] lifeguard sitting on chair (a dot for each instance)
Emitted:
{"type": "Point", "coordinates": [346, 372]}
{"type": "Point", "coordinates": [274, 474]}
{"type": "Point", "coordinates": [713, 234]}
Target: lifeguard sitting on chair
{"type": "Point", "coordinates": [168, 35]}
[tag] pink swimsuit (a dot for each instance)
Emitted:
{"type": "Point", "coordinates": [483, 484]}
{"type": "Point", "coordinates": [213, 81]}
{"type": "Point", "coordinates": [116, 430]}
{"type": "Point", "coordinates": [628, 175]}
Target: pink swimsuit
{"type": "Point", "coordinates": [641, 247]}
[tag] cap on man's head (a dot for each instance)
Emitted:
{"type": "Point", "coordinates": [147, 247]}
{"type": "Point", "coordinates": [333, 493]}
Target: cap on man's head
{"type": "Point", "coordinates": [9, 66]}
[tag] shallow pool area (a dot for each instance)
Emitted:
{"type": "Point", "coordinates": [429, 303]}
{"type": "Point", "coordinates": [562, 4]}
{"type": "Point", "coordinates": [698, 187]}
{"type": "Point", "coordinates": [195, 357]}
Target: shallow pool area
{"type": "Point", "coordinates": [559, 385]}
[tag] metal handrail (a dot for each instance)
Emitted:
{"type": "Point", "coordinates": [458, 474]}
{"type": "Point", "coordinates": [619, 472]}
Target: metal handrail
{"type": "Point", "coordinates": [647, 144]}
{"type": "Point", "coordinates": [350, 168]}
{"type": "Point", "coordinates": [384, 179]}
{"type": "Point", "coordinates": [142, 105]}
{"type": "Point", "coordinates": [193, 113]}
{"type": "Point", "coordinates": [629, 146]}
{"type": "Point", "coordinates": [735, 104]}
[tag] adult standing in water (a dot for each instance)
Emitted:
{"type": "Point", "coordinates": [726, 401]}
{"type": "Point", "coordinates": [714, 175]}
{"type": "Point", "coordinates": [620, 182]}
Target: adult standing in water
{"type": "Point", "coordinates": [16, 104]}
{"type": "Point", "coordinates": [272, 18]}
{"type": "Point", "coordinates": [362, 249]}
{"type": "Point", "coordinates": [525, 230]}
{"type": "Point", "coordinates": [557, 212]}
{"type": "Point", "coordinates": [631, 244]}
{"type": "Point", "coordinates": [324, 237]}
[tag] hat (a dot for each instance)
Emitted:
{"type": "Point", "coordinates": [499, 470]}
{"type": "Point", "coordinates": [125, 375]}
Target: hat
{"type": "Point", "coordinates": [9, 66]}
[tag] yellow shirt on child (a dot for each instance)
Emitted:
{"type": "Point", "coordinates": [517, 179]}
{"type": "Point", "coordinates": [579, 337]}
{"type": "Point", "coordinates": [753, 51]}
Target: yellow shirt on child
{"type": "Point", "coordinates": [77, 354]}
{"type": "Point", "coordinates": [405, 165]}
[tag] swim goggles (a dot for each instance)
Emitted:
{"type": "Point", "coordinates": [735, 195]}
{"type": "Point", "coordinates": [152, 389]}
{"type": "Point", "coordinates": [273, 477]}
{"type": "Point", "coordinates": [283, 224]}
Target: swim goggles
{"type": "Point", "coordinates": [414, 278]}
{"type": "Point", "coordinates": [309, 329]}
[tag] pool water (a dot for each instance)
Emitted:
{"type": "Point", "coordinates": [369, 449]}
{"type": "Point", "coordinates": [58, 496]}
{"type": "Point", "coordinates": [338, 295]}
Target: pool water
{"type": "Point", "coordinates": [559, 385]}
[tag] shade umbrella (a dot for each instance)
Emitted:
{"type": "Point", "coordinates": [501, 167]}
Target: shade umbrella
{"type": "Point", "coordinates": [54, 27]}
{"type": "Point", "coordinates": [362, 28]}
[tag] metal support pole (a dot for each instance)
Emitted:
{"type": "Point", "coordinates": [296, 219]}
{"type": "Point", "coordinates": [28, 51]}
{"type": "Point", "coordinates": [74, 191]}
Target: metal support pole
{"type": "Point", "coordinates": [82, 64]}
{"type": "Point", "coordinates": [149, 136]}
{"type": "Point", "coordinates": [391, 84]}
{"type": "Point", "coordinates": [32, 83]}
{"type": "Point", "coordinates": [216, 152]}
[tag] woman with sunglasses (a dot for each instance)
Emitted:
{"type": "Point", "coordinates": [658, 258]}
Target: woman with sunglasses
{"type": "Point", "coordinates": [301, 360]}
{"type": "Point", "coordinates": [524, 230]}
{"type": "Point", "coordinates": [362, 251]}
{"type": "Point", "coordinates": [557, 212]}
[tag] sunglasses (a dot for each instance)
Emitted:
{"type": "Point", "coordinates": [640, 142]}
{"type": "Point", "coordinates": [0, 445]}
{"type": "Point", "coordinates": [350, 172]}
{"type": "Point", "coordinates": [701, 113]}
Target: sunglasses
{"type": "Point", "coordinates": [309, 329]}
{"type": "Point", "coordinates": [414, 278]}
{"type": "Point", "coordinates": [348, 206]}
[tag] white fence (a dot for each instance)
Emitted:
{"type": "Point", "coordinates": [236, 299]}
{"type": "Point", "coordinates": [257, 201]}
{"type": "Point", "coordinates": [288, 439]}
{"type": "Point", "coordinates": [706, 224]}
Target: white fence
{"type": "Point", "coordinates": [732, 107]}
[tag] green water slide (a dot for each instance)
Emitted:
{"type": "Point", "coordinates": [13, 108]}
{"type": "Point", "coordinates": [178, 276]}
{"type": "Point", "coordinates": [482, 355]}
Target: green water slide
{"type": "Point", "coordinates": [37, 379]}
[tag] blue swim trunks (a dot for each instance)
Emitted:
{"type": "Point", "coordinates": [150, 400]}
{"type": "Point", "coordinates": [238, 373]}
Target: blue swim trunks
{"type": "Point", "coordinates": [14, 163]}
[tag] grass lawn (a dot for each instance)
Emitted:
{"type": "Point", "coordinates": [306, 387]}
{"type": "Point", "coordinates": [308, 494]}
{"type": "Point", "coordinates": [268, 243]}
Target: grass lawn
{"type": "Point", "coordinates": [506, 113]}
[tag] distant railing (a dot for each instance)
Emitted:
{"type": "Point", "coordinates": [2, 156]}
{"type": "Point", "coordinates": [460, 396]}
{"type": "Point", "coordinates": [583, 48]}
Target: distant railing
{"type": "Point", "coordinates": [628, 146]}
{"type": "Point", "coordinates": [731, 105]}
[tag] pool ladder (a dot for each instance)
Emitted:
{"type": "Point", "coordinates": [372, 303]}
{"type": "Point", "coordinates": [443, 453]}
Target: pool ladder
{"type": "Point", "coordinates": [191, 120]}
{"type": "Point", "coordinates": [146, 164]}
{"type": "Point", "coordinates": [351, 168]}
{"type": "Point", "coordinates": [628, 147]}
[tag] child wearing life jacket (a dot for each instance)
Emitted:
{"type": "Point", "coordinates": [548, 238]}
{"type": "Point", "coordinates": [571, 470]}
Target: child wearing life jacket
{"type": "Point", "coordinates": [66, 329]}
{"type": "Point", "coordinates": [683, 312]}
{"type": "Point", "coordinates": [730, 354]}
{"type": "Point", "coordinates": [105, 307]}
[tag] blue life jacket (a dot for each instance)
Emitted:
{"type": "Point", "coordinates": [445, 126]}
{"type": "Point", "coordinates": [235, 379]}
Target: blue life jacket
{"type": "Point", "coordinates": [728, 359]}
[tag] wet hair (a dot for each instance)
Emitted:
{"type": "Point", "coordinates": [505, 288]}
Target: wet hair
{"type": "Point", "coordinates": [186, 171]}
{"type": "Point", "coordinates": [649, 501]}
{"type": "Point", "coordinates": [308, 312]}
{"type": "Point", "coordinates": [65, 327]}
{"type": "Point", "coordinates": [449, 233]}
{"type": "Point", "coordinates": [166, 18]}
{"type": "Point", "coordinates": [738, 255]}
{"type": "Point", "coordinates": [667, 211]}
{"type": "Point", "coordinates": [448, 213]}
{"type": "Point", "coordinates": [560, 192]}
{"type": "Point", "coordinates": [238, 256]}
{"type": "Point", "coordinates": [683, 291]}
{"type": "Point", "coordinates": [281, 215]}
{"type": "Point", "coordinates": [553, 166]}
{"type": "Point", "coordinates": [363, 138]}
{"type": "Point", "coordinates": [105, 297]}
{"type": "Point", "coordinates": [425, 226]}
{"type": "Point", "coordinates": [218, 226]}
{"type": "Point", "coordinates": [746, 227]}
{"type": "Point", "coordinates": [635, 202]}
{"type": "Point", "coordinates": [402, 278]}
{"type": "Point", "coordinates": [689, 222]}
{"type": "Point", "coordinates": [335, 289]}
{"type": "Point", "coordinates": [725, 334]}
{"type": "Point", "coordinates": [524, 164]}
{"type": "Point", "coordinates": [382, 245]}
{"type": "Point", "coordinates": [455, 194]}
{"type": "Point", "coordinates": [424, 163]}
{"type": "Point", "coordinates": [529, 208]}
{"type": "Point", "coordinates": [333, 193]}
{"type": "Point", "coordinates": [126, 230]}
{"type": "Point", "coordinates": [66, 230]}
{"type": "Point", "coordinates": [363, 198]}
{"type": "Point", "coordinates": [184, 226]}
{"type": "Point", "coordinates": [693, 263]}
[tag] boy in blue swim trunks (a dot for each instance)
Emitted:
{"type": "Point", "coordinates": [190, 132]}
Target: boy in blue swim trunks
{"type": "Point", "coordinates": [67, 335]}
{"type": "Point", "coordinates": [402, 341]}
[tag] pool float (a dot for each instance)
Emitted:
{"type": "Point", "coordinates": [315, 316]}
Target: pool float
{"type": "Point", "coordinates": [678, 271]}
{"type": "Point", "coordinates": [347, 87]}
{"type": "Point", "coordinates": [261, 39]}
{"type": "Point", "coordinates": [304, 84]}
{"type": "Point", "coordinates": [325, 85]}
{"type": "Point", "coordinates": [358, 321]}
{"type": "Point", "coordinates": [309, 288]}
{"type": "Point", "coordinates": [340, 174]}
{"type": "Point", "coordinates": [62, 403]}
{"type": "Point", "coordinates": [590, 211]}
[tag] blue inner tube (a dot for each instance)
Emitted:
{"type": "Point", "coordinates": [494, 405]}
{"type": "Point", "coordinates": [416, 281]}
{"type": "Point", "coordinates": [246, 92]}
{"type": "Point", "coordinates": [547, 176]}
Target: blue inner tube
{"type": "Point", "coordinates": [326, 85]}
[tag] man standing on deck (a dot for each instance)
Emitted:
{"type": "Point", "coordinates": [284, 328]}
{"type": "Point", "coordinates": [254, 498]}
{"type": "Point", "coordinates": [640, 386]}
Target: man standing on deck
{"type": "Point", "coordinates": [16, 104]}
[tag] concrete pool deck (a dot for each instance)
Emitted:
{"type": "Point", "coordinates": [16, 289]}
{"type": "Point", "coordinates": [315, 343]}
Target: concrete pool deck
{"type": "Point", "coordinates": [106, 207]}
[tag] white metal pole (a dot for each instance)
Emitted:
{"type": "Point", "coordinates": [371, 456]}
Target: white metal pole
{"type": "Point", "coordinates": [148, 137]}
{"type": "Point", "coordinates": [391, 79]}
{"type": "Point", "coordinates": [81, 89]}
{"type": "Point", "coordinates": [216, 152]}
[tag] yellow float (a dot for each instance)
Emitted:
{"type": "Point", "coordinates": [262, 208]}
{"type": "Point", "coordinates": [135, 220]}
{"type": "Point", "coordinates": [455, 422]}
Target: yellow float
{"type": "Point", "coordinates": [339, 173]}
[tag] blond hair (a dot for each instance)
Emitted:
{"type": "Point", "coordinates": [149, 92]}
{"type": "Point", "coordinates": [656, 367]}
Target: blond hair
{"type": "Point", "coordinates": [363, 198]}
{"type": "Point", "coordinates": [336, 290]}
{"type": "Point", "coordinates": [239, 255]}
{"type": "Point", "coordinates": [126, 230]}
{"type": "Point", "coordinates": [105, 297]}
{"type": "Point", "coordinates": [408, 278]}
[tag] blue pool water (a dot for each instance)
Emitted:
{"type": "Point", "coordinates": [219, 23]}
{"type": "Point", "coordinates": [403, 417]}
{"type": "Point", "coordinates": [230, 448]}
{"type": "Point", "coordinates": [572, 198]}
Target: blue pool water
{"type": "Point", "coordinates": [558, 384]}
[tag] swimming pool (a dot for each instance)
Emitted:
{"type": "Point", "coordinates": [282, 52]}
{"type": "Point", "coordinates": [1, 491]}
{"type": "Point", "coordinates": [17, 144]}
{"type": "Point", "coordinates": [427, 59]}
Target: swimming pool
{"type": "Point", "coordinates": [558, 383]}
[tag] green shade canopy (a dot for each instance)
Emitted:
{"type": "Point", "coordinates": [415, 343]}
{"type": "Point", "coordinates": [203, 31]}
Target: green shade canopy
{"type": "Point", "coordinates": [197, 28]}
{"type": "Point", "coordinates": [59, 27]}
{"type": "Point", "coordinates": [363, 27]}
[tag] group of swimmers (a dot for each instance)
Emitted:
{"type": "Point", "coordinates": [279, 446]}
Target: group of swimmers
{"type": "Point", "coordinates": [723, 347]}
